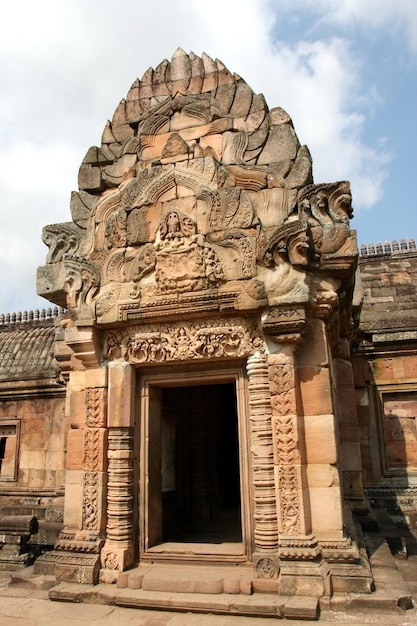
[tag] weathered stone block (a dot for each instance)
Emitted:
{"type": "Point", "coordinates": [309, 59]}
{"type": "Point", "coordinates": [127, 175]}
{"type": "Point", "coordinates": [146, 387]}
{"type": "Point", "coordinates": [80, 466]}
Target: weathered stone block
{"type": "Point", "coordinates": [349, 456]}
{"type": "Point", "coordinates": [76, 407]}
{"type": "Point", "coordinates": [314, 351]}
{"type": "Point", "coordinates": [315, 390]}
{"type": "Point", "coordinates": [121, 381]}
{"type": "Point", "coordinates": [282, 143]}
{"type": "Point", "coordinates": [96, 377]}
{"type": "Point", "coordinates": [75, 449]}
{"type": "Point", "coordinates": [89, 178]}
{"type": "Point", "coordinates": [322, 475]}
{"type": "Point", "coordinates": [73, 499]}
{"type": "Point", "coordinates": [320, 438]}
{"type": "Point", "coordinates": [326, 508]}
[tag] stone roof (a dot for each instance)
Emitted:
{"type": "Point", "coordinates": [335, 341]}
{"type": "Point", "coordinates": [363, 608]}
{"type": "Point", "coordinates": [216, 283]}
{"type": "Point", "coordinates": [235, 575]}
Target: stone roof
{"type": "Point", "coordinates": [27, 350]}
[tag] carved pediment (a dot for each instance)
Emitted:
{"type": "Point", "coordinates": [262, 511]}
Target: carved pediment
{"type": "Point", "coordinates": [197, 188]}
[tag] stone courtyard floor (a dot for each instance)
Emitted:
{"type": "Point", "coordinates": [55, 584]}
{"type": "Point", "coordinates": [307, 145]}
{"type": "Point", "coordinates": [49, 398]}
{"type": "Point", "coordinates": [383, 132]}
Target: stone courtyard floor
{"type": "Point", "coordinates": [25, 599]}
{"type": "Point", "coordinates": [23, 607]}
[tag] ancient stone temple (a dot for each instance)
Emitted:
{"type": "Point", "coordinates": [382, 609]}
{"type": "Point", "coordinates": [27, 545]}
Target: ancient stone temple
{"type": "Point", "coordinates": [210, 409]}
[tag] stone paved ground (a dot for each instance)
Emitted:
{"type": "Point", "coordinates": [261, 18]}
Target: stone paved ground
{"type": "Point", "coordinates": [29, 605]}
{"type": "Point", "coordinates": [21, 606]}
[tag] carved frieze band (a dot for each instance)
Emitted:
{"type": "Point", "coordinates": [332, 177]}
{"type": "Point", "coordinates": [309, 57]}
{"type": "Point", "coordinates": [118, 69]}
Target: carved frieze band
{"type": "Point", "coordinates": [158, 343]}
{"type": "Point", "coordinates": [266, 527]}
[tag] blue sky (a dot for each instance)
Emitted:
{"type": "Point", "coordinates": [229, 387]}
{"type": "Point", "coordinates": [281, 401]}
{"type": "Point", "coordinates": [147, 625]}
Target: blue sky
{"type": "Point", "coordinates": [346, 72]}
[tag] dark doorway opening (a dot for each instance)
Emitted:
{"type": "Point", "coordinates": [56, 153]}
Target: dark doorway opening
{"type": "Point", "coordinates": [199, 465]}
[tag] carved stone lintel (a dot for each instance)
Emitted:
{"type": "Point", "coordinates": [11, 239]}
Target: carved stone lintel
{"type": "Point", "coordinates": [159, 343]}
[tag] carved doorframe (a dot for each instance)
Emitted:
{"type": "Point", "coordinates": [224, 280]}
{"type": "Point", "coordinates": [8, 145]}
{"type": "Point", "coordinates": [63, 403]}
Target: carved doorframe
{"type": "Point", "coordinates": [208, 346]}
{"type": "Point", "coordinates": [226, 372]}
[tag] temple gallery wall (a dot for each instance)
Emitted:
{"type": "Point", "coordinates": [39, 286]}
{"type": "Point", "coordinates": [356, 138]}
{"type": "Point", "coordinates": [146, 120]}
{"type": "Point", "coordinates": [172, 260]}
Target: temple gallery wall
{"type": "Point", "coordinates": [225, 378]}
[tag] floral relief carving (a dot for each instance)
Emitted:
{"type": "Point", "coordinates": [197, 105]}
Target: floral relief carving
{"type": "Point", "coordinates": [283, 403]}
{"type": "Point", "coordinates": [267, 568]}
{"type": "Point", "coordinates": [92, 448]}
{"type": "Point", "coordinates": [281, 378]}
{"type": "Point", "coordinates": [90, 504]}
{"type": "Point", "coordinates": [111, 561]}
{"type": "Point", "coordinates": [286, 445]}
{"type": "Point", "coordinates": [285, 439]}
{"type": "Point", "coordinates": [96, 407]}
{"type": "Point", "coordinates": [289, 499]}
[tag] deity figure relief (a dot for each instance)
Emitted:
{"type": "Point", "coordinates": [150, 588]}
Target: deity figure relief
{"type": "Point", "coordinates": [175, 226]}
{"type": "Point", "coordinates": [184, 260]}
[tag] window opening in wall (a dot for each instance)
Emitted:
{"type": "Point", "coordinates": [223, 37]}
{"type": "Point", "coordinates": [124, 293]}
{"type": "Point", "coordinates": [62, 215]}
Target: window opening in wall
{"type": "Point", "coordinates": [8, 451]}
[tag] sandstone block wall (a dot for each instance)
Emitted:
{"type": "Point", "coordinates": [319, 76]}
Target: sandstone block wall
{"type": "Point", "coordinates": [385, 367]}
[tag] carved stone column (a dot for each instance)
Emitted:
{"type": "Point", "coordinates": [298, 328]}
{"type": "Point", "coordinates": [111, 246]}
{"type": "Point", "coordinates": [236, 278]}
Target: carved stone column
{"type": "Point", "coordinates": [118, 551]}
{"type": "Point", "coordinates": [265, 515]}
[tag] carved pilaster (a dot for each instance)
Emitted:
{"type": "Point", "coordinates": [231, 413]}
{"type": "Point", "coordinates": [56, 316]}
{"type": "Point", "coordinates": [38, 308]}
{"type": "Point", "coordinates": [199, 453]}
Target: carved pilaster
{"type": "Point", "coordinates": [288, 446]}
{"type": "Point", "coordinates": [266, 529]}
{"type": "Point", "coordinates": [286, 325]}
{"type": "Point", "coordinates": [117, 554]}
{"type": "Point", "coordinates": [76, 554]}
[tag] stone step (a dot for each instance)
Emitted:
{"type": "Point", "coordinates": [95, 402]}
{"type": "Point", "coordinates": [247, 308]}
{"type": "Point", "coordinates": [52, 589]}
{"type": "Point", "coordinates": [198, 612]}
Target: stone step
{"type": "Point", "coordinates": [191, 579]}
{"type": "Point", "coordinates": [260, 605]}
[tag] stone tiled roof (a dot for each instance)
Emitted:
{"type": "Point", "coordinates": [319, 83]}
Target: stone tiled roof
{"type": "Point", "coordinates": [27, 351]}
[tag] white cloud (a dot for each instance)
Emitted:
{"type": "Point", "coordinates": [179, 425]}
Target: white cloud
{"type": "Point", "coordinates": [396, 19]}
{"type": "Point", "coordinates": [64, 65]}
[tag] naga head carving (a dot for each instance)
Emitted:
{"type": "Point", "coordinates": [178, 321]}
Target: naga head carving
{"type": "Point", "coordinates": [291, 243]}
{"type": "Point", "coordinates": [82, 281]}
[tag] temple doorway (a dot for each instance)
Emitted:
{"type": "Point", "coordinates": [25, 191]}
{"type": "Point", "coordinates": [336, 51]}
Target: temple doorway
{"type": "Point", "coordinates": [191, 502]}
